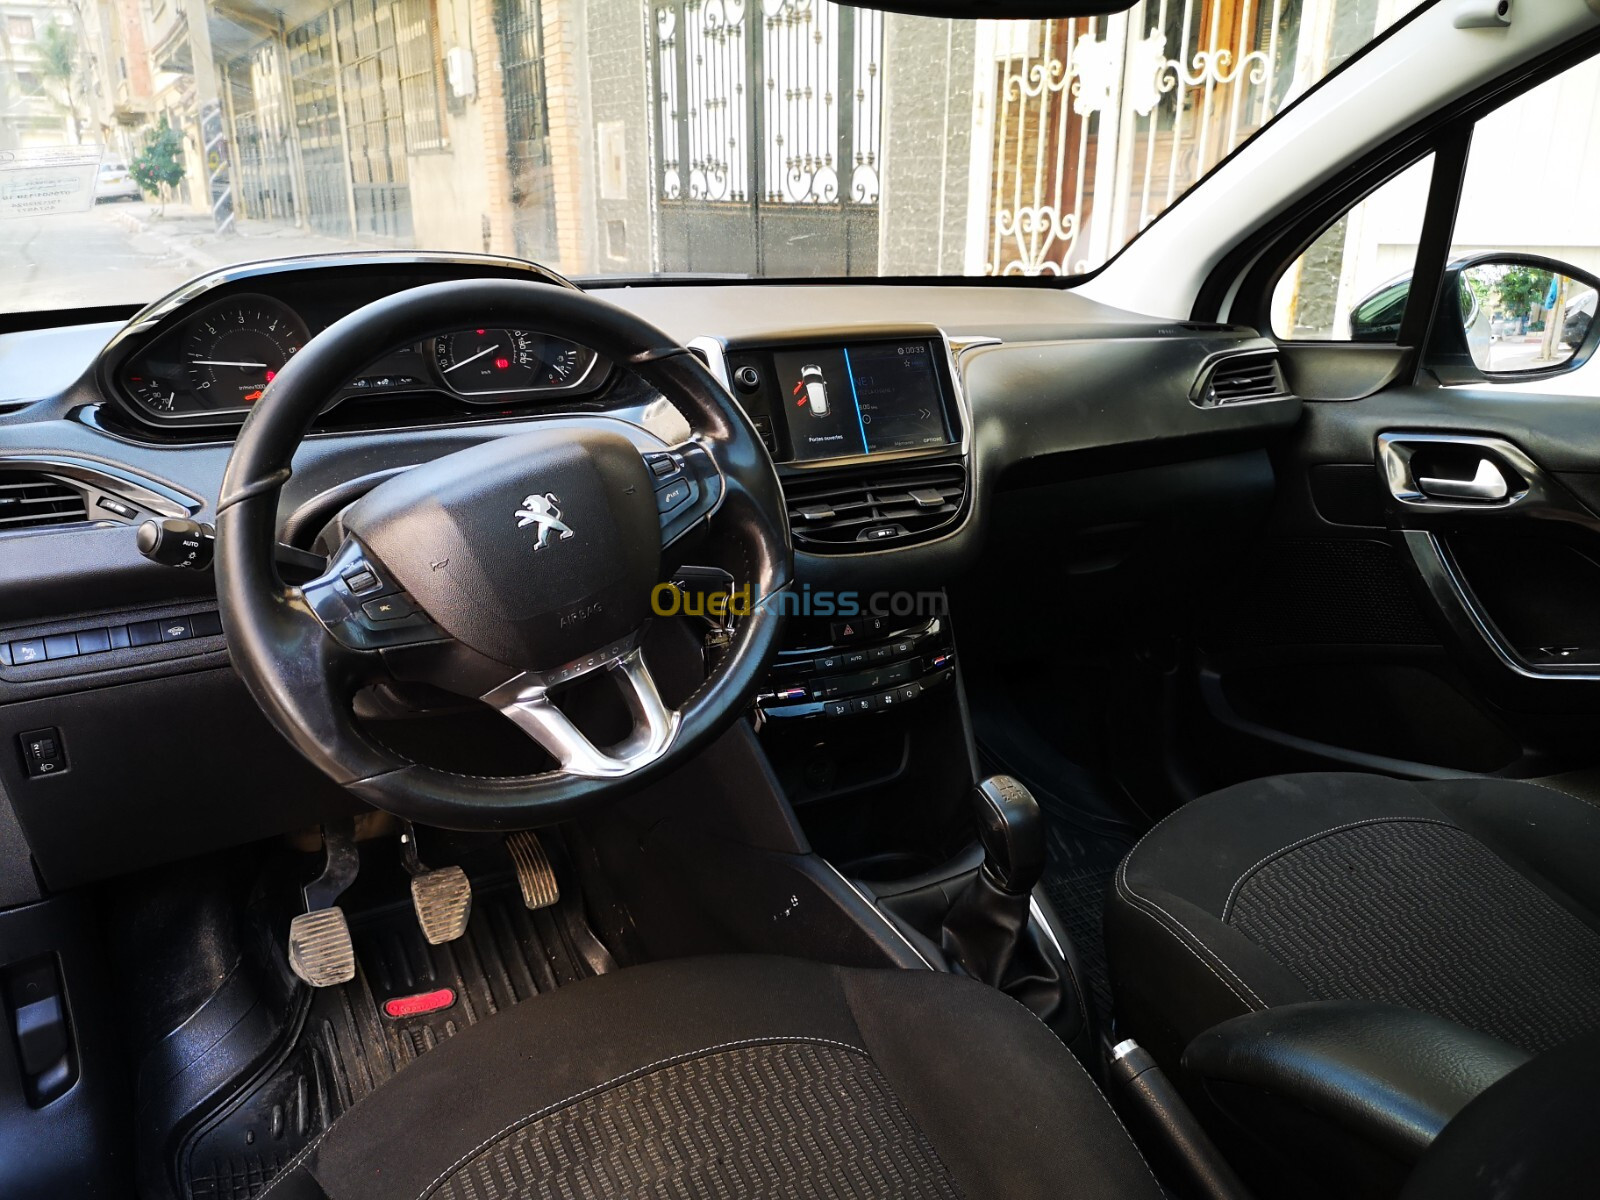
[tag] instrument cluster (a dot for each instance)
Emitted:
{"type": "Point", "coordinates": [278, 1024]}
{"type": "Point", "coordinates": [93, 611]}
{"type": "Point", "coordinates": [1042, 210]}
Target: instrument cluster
{"type": "Point", "coordinates": [218, 361]}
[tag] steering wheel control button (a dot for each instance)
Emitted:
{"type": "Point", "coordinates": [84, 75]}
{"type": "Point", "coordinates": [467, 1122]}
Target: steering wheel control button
{"type": "Point", "coordinates": [673, 495]}
{"type": "Point", "coordinates": [43, 752]}
{"type": "Point", "coordinates": [362, 580]}
{"type": "Point", "coordinates": [664, 466]}
{"type": "Point", "coordinates": [389, 608]}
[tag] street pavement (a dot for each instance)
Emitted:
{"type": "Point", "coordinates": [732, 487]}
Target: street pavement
{"type": "Point", "coordinates": [122, 253]}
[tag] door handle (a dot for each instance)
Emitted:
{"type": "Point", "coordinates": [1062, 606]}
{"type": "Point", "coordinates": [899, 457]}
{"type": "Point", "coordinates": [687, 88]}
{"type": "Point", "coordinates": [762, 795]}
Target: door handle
{"type": "Point", "coordinates": [1487, 485]}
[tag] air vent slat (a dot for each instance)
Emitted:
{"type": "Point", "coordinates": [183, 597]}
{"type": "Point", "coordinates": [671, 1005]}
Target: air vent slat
{"type": "Point", "coordinates": [32, 500]}
{"type": "Point", "coordinates": [1240, 378]}
{"type": "Point", "coordinates": [884, 506]}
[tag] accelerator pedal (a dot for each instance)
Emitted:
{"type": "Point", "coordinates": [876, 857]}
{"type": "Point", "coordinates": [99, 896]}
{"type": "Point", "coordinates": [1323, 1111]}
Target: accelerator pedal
{"type": "Point", "coordinates": [442, 898]}
{"type": "Point", "coordinates": [534, 873]}
{"type": "Point", "coordinates": [320, 949]}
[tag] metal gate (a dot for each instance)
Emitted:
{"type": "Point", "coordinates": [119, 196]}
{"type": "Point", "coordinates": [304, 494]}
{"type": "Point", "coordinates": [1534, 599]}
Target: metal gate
{"type": "Point", "coordinates": [315, 91]}
{"type": "Point", "coordinates": [262, 127]}
{"type": "Point", "coordinates": [374, 118]}
{"type": "Point", "coordinates": [1100, 124]}
{"type": "Point", "coordinates": [768, 116]}
{"type": "Point", "coordinates": [520, 25]}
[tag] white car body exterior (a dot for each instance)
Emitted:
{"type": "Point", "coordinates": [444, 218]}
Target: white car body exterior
{"type": "Point", "coordinates": [114, 183]}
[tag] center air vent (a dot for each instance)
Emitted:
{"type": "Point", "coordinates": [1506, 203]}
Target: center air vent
{"type": "Point", "coordinates": [852, 511]}
{"type": "Point", "coordinates": [30, 500]}
{"type": "Point", "coordinates": [1240, 379]}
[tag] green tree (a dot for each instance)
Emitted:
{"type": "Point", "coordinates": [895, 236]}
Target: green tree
{"type": "Point", "coordinates": [58, 65]}
{"type": "Point", "coordinates": [159, 164]}
{"type": "Point", "coordinates": [1522, 289]}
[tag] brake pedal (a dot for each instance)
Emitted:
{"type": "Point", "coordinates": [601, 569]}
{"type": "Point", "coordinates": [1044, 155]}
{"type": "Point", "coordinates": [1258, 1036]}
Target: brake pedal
{"type": "Point", "coordinates": [534, 873]}
{"type": "Point", "coordinates": [320, 949]}
{"type": "Point", "coordinates": [442, 898]}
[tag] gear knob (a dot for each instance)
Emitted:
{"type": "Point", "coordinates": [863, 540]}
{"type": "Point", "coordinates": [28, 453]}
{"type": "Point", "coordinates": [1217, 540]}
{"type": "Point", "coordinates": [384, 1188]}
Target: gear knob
{"type": "Point", "coordinates": [1011, 828]}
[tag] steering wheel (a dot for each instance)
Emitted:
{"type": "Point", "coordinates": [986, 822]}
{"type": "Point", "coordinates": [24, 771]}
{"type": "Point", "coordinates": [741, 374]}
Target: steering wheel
{"type": "Point", "coordinates": [502, 571]}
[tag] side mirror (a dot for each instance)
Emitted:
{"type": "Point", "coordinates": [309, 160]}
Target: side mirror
{"type": "Point", "coordinates": [1507, 318]}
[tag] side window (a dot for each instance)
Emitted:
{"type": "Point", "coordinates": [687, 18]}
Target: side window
{"type": "Point", "coordinates": [1351, 284]}
{"type": "Point", "coordinates": [1532, 176]}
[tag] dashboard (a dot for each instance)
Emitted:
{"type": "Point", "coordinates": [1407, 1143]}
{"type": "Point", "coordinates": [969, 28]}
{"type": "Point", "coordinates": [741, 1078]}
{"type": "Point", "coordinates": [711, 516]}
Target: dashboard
{"type": "Point", "coordinates": [895, 416]}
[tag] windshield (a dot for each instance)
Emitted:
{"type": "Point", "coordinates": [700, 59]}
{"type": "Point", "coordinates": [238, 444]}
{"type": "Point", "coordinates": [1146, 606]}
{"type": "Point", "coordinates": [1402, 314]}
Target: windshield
{"type": "Point", "coordinates": [145, 141]}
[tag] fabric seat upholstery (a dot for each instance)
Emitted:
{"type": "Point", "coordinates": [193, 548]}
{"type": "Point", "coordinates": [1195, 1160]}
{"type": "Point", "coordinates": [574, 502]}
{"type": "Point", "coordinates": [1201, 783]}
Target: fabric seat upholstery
{"type": "Point", "coordinates": [734, 1077]}
{"type": "Point", "coordinates": [1473, 899]}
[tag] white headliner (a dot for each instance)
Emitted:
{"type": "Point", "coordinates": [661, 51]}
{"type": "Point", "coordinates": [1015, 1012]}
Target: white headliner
{"type": "Point", "coordinates": [1418, 69]}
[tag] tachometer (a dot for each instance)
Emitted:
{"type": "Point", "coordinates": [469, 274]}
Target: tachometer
{"type": "Point", "coordinates": [233, 351]}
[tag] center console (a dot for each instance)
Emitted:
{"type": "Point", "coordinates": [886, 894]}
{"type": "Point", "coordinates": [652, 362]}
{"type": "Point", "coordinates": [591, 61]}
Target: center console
{"type": "Point", "coordinates": [869, 433]}
{"type": "Point", "coordinates": [858, 664]}
{"type": "Point", "coordinates": [861, 716]}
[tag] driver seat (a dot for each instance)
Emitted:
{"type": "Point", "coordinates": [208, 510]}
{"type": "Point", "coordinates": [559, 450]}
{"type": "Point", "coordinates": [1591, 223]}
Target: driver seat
{"type": "Point", "coordinates": [737, 1076]}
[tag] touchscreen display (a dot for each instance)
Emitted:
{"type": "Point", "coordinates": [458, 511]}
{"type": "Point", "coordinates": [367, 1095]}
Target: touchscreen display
{"type": "Point", "coordinates": [865, 399]}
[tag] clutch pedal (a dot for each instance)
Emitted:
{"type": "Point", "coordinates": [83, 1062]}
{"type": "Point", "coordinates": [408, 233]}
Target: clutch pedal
{"type": "Point", "coordinates": [320, 949]}
{"type": "Point", "coordinates": [442, 898]}
{"type": "Point", "coordinates": [534, 873]}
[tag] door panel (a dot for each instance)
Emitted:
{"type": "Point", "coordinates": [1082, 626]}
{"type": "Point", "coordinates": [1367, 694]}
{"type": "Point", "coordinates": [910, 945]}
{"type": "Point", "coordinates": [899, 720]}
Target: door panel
{"type": "Point", "coordinates": [1400, 621]}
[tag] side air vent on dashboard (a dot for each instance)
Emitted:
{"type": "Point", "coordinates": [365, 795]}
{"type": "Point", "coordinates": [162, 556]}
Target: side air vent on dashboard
{"type": "Point", "coordinates": [29, 500]}
{"type": "Point", "coordinates": [853, 511]}
{"type": "Point", "coordinates": [1240, 379]}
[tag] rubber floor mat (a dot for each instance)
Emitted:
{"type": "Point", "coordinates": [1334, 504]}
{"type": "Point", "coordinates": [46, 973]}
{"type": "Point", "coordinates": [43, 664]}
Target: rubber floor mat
{"type": "Point", "coordinates": [348, 1044]}
{"type": "Point", "coordinates": [1078, 870]}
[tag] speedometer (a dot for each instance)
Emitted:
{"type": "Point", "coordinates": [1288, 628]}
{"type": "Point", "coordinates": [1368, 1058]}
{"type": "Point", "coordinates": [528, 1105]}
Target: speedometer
{"type": "Point", "coordinates": [488, 360]}
{"type": "Point", "coordinates": [234, 350]}
{"type": "Point", "coordinates": [476, 362]}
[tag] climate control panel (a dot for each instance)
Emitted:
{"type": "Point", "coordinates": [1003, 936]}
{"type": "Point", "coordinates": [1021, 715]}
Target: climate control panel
{"type": "Point", "coordinates": [869, 664]}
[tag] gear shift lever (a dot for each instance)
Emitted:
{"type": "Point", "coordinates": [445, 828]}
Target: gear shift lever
{"type": "Point", "coordinates": [986, 924]}
{"type": "Point", "coordinates": [1011, 828]}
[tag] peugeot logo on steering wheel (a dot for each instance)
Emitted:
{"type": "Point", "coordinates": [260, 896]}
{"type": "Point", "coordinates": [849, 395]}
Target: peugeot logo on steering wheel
{"type": "Point", "coordinates": [545, 512]}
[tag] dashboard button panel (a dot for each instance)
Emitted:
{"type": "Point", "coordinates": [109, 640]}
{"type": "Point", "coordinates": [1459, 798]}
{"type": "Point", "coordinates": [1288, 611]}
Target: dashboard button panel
{"type": "Point", "coordinates": [103, 639]}
{"type": "Point", "coordinates": [892, 674]}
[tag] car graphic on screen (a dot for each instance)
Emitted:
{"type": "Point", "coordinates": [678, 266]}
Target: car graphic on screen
{"type": "Point", "coordinates": [815, 389]}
